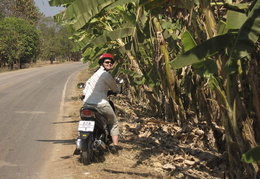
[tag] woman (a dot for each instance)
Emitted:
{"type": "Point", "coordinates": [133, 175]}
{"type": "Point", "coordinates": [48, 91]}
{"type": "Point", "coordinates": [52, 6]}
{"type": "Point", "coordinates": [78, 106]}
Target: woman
{"type": "Point", "coordinates": [95, 93]}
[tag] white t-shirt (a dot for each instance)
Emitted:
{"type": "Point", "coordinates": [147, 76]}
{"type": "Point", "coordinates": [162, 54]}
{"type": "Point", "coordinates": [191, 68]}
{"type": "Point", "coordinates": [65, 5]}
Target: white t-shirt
{"type": "Point", "coordinates": [97, 86]}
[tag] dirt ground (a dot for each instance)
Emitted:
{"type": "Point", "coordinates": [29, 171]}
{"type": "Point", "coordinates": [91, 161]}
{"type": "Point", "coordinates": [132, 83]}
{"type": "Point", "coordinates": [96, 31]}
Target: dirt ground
{"type": "Point", "coordinates": [150, 149]}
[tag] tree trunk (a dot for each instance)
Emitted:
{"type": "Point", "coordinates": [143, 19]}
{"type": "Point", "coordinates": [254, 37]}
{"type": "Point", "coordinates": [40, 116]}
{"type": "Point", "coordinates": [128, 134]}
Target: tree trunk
{"type": "Point", "coordinates": [254, 79]}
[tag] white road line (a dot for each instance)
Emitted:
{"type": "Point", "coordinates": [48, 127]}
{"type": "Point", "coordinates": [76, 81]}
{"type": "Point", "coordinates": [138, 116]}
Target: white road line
{"type": "Point", "coordinates": [63, 96]}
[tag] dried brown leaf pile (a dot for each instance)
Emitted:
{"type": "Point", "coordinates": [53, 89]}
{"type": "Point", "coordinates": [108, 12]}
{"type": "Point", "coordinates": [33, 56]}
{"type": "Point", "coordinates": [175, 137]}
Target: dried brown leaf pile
{"type": "Point", "coordinates": [180, 152]}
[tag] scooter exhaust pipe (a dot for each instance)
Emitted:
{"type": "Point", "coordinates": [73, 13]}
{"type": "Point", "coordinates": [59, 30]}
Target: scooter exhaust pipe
{"type": "Point", "coordinates": [78, 144]}
{"type": "Point", "coordinates": [97, 144]}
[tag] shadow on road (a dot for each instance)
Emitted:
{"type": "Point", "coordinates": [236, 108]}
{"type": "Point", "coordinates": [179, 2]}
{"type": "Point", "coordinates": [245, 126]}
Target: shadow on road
{"type": "Point", "coordinates": [65, 122]}
{"type": "Point", "coordinates": [129, 173]}
{"type": "Point", "coordinates": [64, 142]}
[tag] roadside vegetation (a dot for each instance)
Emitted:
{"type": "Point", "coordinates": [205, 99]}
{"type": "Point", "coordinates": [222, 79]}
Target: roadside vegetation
{"type": "Point", "coordinates": [186, 62]}
{"type": "Point", "coordinates": [27, 36]}
{"type": "Point", "coordinates": [194, 64]}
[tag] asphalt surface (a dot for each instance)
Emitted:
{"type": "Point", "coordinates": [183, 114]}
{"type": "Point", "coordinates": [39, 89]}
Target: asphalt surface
{"type": "Point", "coordinates": [30, 103]}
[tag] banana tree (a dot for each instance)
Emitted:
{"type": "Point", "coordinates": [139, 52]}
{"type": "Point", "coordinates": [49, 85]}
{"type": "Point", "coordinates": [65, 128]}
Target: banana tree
{"type": "Point", "coordinates": [98, 29]}
{"type": "Point", "coordinates": [131, 29]}
{"type": "Point", "coordinates": [234, 115]}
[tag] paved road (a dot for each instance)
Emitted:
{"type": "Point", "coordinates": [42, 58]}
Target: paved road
{"type": "Point", "coordinates": [30, 103]}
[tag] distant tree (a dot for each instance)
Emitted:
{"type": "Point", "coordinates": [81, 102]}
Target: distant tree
{"type": "Point", "coordinates": [65, 45]}
{"type": "Point", "coordinates": [55, 41]}
{"type": "Point", "coordinates": [19, 42]}
{"type": "Point", "coordinates": [24, 9]}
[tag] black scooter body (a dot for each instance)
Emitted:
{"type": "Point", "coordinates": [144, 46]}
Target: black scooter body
{"type": "Point", "coordinates": [93, 145]}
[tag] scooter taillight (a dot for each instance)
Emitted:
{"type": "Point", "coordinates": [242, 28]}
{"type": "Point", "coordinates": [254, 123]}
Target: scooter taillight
{"type": "Point", "coordinates": [87, 113]}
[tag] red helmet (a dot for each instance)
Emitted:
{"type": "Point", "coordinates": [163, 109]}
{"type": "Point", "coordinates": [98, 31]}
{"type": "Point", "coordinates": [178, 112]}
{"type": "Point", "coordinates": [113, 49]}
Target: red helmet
{"type": "Point", "coordinates": [105, 56]}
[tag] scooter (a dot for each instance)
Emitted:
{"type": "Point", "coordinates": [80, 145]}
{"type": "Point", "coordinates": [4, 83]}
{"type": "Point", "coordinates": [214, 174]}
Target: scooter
{"type": "Point", "coordinates": [93, 136]}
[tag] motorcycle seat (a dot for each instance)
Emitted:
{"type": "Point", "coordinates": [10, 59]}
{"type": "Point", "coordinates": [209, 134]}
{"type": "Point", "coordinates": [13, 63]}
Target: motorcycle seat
{"type": "Point", "coordinates": [92, 108]}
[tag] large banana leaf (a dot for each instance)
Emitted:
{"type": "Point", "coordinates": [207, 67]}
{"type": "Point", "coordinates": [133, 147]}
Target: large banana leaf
{"type": "Point", "coordinates": [247, 37]}
{"type": "Point", "coordinates": [84, 10]}
{"type": "Point", "coordinates": [187, 41]}
{"type": "Point", "coordinates": [107, 37]}
{"type": "Point", "coordinates": [113, 35]}
{"type": "Point", "coordinates": [81, 11]}
{"type": "Point", "coordinates": [203, 67]}
{"type": "Point", "coordinates": [235, 19]}
{"type": "Point", "coordinates": [204, 50]}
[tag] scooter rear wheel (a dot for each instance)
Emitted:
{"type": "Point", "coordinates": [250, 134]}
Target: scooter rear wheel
{"type": "Point", "coordinates": [87, 152]}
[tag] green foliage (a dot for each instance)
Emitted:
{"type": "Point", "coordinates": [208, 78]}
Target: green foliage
{"type": "Point", "coordinates": [19, 41]}
{"type": "Point", "coordinates": [24, 9]}
{"type": "Point", "coordinates": [247, 37]}
{"type": "Point", "coordinates": [199, 38]}
{"type": "Point", "coordinates": [227, 82]}
{"type": "Point", "coordinates": [243, 44]}
{"type": "Point", "coordinates": [80, 12]}
{"type": "Point", "coordinates": [235, 19]}
{"type": "Point", "coordinates": [203, 50]}
{"type": "Point", "coordinates": [55, 41]}
{"type": "Point", "coordinates": [187, 41]}
{"type": "Point", "coordinates": [252, 155]}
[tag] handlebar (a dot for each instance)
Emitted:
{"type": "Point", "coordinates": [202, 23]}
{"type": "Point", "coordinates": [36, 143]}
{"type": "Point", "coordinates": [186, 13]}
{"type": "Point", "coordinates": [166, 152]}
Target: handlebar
{"type": "Point", "coordinates": [110, 92]}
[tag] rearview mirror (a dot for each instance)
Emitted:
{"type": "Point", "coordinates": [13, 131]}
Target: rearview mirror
{"type": "Point", "coordinates": [81, 85]}
{"type": "Point", "coordinates": [119, 80]}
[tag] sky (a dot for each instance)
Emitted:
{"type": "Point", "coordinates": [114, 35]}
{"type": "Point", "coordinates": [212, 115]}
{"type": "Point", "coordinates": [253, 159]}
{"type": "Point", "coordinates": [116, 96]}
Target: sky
{"type": "Point", "coordinates": [46, 9]}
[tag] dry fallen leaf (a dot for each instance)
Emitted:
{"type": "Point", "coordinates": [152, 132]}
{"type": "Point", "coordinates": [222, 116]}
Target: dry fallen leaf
{"type": "Point", "coordinates": [145, 134]}
{"type": "Point", "coordinates": [169, 166]}
{"type": "Point", "coordinates": [199, 132]}
{"type": "Point", "coordinates": [190, 163]}
{"type": "Point", "coordinates": [179, 158]}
